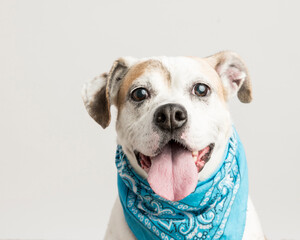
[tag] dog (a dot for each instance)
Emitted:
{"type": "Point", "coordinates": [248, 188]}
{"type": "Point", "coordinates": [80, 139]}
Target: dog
{"type": "Point", "coordinates": [173, 127]}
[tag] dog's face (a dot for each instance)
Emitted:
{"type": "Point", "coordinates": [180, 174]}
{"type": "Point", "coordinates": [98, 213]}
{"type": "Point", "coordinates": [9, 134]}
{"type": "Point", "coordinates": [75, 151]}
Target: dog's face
{"type": "Point", "coordinates": [173, 122]}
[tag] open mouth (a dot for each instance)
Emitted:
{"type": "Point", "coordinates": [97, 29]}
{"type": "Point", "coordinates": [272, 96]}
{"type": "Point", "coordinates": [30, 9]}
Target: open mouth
{"type": "Point", "coordinates": [173, 173]}
{"type": "Point", "coordinates": [200, 157]}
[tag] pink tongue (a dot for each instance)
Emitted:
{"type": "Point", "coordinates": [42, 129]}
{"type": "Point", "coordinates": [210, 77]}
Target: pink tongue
{"type": "Point", "coordinates": [173, 174]}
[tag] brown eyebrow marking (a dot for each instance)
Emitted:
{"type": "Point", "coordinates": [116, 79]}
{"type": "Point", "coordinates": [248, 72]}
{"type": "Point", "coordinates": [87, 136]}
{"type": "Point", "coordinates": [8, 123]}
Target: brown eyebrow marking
{"type": "Point", "coordinates": [213, 77]}
{"type": "Point", "coordinates": [135, 72]}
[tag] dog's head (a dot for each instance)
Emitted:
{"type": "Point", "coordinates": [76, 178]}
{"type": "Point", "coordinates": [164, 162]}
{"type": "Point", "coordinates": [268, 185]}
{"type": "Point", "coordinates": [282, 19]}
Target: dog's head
{"type": "Point", "coordinates": [173, 122]}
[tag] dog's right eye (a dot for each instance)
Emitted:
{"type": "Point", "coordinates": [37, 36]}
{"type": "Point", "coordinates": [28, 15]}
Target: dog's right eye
{"type": "Point", "coordinates": [139, 94]}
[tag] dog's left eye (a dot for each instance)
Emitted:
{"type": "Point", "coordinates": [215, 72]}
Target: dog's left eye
{"type": "Point", "coordinates": [140, 94]}
{"type": "Point", "coordinates": [201, 90]}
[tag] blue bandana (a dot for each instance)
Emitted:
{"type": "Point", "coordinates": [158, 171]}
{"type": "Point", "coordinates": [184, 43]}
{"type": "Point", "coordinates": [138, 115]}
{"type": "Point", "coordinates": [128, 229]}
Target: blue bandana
{"type": "Point", "coordinates": [215, 210]}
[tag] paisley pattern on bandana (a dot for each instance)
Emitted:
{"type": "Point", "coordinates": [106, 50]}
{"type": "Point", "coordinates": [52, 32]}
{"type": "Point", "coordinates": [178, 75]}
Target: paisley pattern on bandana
{"type": "Point", "coordinates": [215, 210]}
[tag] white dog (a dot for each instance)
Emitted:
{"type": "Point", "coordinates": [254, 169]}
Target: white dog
{"type": "Point", "coordinates": [174, 127]}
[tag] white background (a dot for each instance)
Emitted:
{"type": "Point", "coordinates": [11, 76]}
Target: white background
{"type": "Point", "coordinates": [57, 173]}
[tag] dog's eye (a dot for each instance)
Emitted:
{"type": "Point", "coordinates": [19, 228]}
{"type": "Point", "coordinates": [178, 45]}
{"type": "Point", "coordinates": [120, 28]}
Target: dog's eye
{"type": "Point", "coordinates": [139, 94]}
{"type": "Point", "coordinates": [201, 90]}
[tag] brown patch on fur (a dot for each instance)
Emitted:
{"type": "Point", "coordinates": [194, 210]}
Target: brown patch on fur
{"type": "Point", "coordinates": [104, 75]}
{"type": "Point", "coordinates": [100, 108]}
{"type": "Point", "coordinates": [212, 76]}
{"type": "Point", "coordinates": [135, 72]}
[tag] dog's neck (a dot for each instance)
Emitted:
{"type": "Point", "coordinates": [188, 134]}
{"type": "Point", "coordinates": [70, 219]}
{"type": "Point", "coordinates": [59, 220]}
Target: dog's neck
{"type": "Point", "coordinates": [205, 173]}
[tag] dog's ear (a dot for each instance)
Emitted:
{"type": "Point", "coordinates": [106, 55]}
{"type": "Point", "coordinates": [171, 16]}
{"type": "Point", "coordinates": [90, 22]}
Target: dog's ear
{"type": "Point", "coordinates": [233, 73]}
{"type": "Point", "coordinates": [100, 93]}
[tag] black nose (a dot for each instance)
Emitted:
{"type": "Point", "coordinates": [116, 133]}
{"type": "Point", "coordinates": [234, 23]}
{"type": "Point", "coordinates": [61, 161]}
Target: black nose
{"type": "Point", "coordinates": [170, 117]}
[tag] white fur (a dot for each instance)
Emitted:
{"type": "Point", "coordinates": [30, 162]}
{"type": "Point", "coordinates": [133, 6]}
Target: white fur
{"type": "Point", "coordinates": [208, 122]}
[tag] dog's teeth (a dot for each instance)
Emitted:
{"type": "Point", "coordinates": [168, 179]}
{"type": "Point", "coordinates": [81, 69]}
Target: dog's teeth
{"type": "Point", "coordinates": [195, 158]}
{"type": "Point", "coordinates": [195, 153]}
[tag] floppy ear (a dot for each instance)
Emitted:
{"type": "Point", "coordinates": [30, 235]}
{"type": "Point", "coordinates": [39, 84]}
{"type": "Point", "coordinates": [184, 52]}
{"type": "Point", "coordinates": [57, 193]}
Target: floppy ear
{"type": "Point", "coordinates": [100, 93]}
{"type": "Point", "coordinates": [233, 73]}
